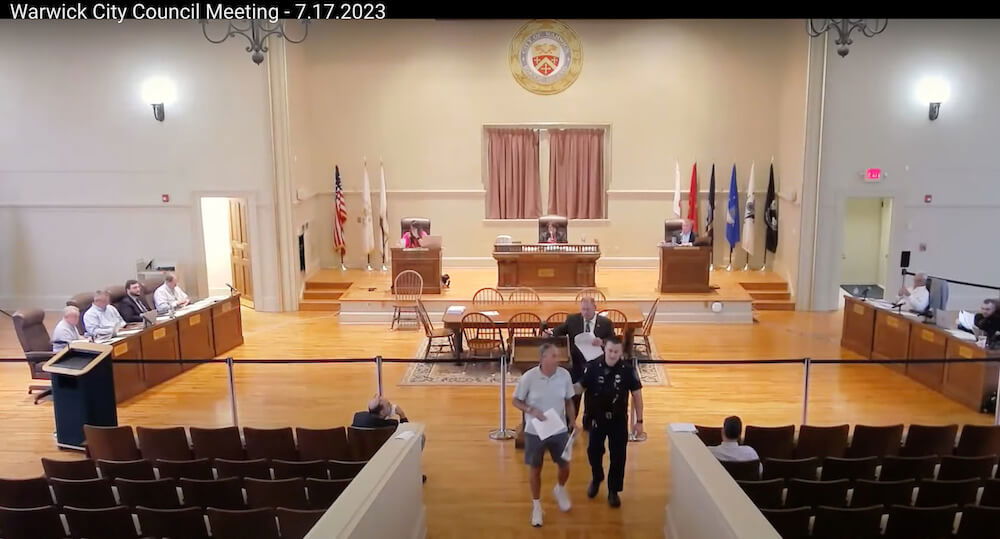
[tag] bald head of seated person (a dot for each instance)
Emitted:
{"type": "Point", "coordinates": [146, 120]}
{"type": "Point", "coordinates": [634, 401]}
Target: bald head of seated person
{"type": "Point", "coordinates": [66, 331]}
{"type": "Point", "coordinates": [917, 298]}
{"type": "Point", "coordinates": [102, 319]}
{"type": "Point", "coordinates": [169, 295]}
{"type": "Point", "coordinates": [133, 304]}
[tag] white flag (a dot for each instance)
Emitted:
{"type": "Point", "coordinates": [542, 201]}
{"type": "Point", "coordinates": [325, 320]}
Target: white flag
{"type": "Point", "coordinates": [677, 189]}
{"type": "Point", "coordinates": [749, 229]}
{"type": "Point", "coordinates": [383, 211]}
{"type": "Point", "coordinates": [367, 234]}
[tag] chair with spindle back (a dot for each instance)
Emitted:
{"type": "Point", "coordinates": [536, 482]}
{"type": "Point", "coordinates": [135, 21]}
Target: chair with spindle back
{"type": "Point", "coordinates": [591, 293]}
{"type": "Point", "coordinates": [433, 334]}
{"type": "Point", "coordinates": [618, 320]}
{"type": "Point", "coordinates": [642, 336]}
{"type": "Point", "coordinates": [487, 296]}
{"type": "Point", "coordinates": [483, 337]}
{"type": "Point", "coordinates": [523, 295]}
{"type": "Point", "coordinates": [406, 289]}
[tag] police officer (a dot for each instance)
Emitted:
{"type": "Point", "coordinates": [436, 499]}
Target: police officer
{"type": "Point", "coordinates": [607, 383]}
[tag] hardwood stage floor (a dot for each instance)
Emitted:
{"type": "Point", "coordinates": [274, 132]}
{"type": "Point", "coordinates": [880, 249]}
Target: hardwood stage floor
{"type": "Point", "coordinates": [477, 485]}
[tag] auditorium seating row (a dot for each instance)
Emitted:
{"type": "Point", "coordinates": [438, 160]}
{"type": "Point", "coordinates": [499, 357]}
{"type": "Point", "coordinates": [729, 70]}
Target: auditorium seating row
{"type": "Point", "coordinates": [898, 522]}
{"type": "Point", "coordinates": [865, 441]}
{"type": "Point", "coordinates": [188, 523]}
{"type": "Point", "coordinates": [174, 443]}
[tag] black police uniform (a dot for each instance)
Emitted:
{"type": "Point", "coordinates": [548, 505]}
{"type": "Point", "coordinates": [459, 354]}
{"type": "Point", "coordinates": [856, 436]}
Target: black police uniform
{"type": "Point", "coordinates": [607, 391]}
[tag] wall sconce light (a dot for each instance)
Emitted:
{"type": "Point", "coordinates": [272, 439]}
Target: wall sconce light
{"type": "Point", "coordinates": [933, 90]}
{"type": "Point", "coordinates": [159, 92]}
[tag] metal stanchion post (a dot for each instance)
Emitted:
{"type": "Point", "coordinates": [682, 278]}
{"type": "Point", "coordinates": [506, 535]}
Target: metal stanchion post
{"type": "Point", "coordinates": [502, 433]}
{"type": "Point", "coordinates": [805, 392]}
{"type": "Point", "coordinates": [378, 374]}
{"type": "Point", "coordinates": [232, 392]}
{"type": "Point", "coordinates": [633, 415]}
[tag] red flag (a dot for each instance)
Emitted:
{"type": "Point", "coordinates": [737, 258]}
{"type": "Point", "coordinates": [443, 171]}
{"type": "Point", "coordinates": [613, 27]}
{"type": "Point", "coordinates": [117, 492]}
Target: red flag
{"type": "Point", "coordinates": [693, 199]}
{"type": "Point", "coordinates": [340, 215]}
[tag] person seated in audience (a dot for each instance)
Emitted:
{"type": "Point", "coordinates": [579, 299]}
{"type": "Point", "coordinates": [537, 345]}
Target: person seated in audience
{"type": "Point", "coordinates": [102, 319]}
{"type": "Point", "coordinates": [379, 414]}
{"type": "Point", "coordinates": [730, 449]}
{"type": "Point", "coordinates": [552, 234]}
{"type": "Point", "coordinates": [917, 298]}
{"type": "Point", "coordinates": [686, 235]}
{"type": "Point", "coordinates": [169, 295]}
{"type": "Point", "coordinates": [133, 304]}
{"type": "Point", "coordinates": [411, 238]}
{"type": "Point", "coordinates": [66, 331]}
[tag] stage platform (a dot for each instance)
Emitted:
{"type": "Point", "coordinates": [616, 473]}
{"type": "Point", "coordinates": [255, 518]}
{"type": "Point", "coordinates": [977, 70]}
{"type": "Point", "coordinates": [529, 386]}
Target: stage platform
{"type": "Point", "coordinates": [366, 296]}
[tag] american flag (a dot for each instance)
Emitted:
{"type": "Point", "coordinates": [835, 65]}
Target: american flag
{"type": "Point", "coordinates": [340, 208]}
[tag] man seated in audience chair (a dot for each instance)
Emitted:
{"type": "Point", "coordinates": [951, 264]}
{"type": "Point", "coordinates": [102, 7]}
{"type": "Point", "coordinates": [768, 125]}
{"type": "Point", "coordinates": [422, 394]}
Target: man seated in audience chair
{"type": "Point", "coordinates": [66, 331]}
{"type": "Point", "coordinates": [169, 295]}
{"type": "Point", "coordinates": [730, 449]}
{"type": "Point", "coordinates": [379, 415]}
{"type": "Point", "coordinates": [133, 304]}
{"type": "Point", "coordinates": [101, 319]}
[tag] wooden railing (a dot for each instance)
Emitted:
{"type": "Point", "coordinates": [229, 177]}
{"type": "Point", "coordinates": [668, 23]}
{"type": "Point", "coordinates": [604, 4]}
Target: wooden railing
{"type": "Point", "coordinates": [572, 248]}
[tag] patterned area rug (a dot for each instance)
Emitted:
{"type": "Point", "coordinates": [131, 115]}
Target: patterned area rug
{"type": "Point", "coordinates": [444, 372]}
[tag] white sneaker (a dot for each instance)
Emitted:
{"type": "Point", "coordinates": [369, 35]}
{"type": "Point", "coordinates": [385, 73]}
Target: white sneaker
{"type": "Point", "coordinates": [562, 497]}
{"type": "Point", "coordinates": [536, 515]}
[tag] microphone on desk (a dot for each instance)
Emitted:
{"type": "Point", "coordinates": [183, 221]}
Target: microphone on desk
{"type": "Point", "coordinates": [864, 295]}
{"type": "Point", "coordinates": [232, 291]}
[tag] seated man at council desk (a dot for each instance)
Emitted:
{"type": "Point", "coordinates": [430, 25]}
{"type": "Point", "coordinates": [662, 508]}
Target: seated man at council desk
{"type": "Point", "coordinates": [65, 331]}
{"type": "Point", "coordinates": [917, 298]}
{"type": "Point", "coordinates": [686, 235]}
{"type": "Point", "coordinates": [169, 295]}
{"type": "Point", "coordinates": [102, 319]}
{"type": "Point", "coordinates": [133, 304]}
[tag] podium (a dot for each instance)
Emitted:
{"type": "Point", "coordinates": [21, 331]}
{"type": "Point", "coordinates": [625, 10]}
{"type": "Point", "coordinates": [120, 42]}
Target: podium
{"type": "Point", "coordinates": [425, 261]}
{"type": "Point", "coordinates": [684, 269]}
{"type": "Point", "coordinates": [546, 266]}
{"type": "Point", "coordinates": [83, 391]}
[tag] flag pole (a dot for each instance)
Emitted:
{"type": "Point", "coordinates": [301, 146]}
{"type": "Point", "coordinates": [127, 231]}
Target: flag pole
{"type": "Point", "coordinates": [730, 266]}
{"type": "Point", "coordinates": [342, 266]}
{"type": "Point", "coordinates": [369, 258]}
{"type": "Point", "coordinates": [764, 265]}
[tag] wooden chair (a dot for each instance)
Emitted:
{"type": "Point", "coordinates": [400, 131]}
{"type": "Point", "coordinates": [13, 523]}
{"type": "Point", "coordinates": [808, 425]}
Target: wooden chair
{"type": "Point", "coordinates": [847, 468]}
{"type": "Point", "coordinates": [821, 442]}
{"type": "Point", "coordinates": [808, 493]}
{"type": "Point", "coordinates": [243, 469]}
{"type": "Point", "coordinates": [641, 337]}
{"type": "Point", "coordinates": [365, 442]}
{"type": "Point", "coordinates": [136, 470]}
{"type": "Point", "coordinates": [24, 493]}
{"type": "Point", "coordinates": [618, 320]}
{"type": "Point", "coordinates": [221, 493]}
{"type": "Point", "coordinates": [188, 522]}
{"type": "Point", "coordinates": [742, 470]}
{"type": "Point", "coordinates": [296, 523]}
{"type": "Point", "coordinates": [270, 443]}
{"type": "Point", "coordinates": [323, 492]}
{"type": "Point", "coordinates": [556, 319]}
{"type": "Point", "coordinates": [709, 435]}
{"type": "Point", "coordinates": [775, 468]}
{"type": "Point", "coordinates": [978, 522]}
{"type": "Point", "coordinates": [790, 523]}
{"type": "Point", "coordinates": [224, 442]}
{"type": "Point", "coordinates": [896, 468]}
{"type": "Point", "coordinates": [856, 522]}
{"type": "Point", "coordinates": [776, 442]}
{"type": "Point", "coordinates": [69, 469]}
{"type": "Point", "coordinates": [433, 333]}
{"type": "Point", "coordinates": [912, 522]}
{"type": "Point", "coordinates": [345, 469]}
{"type": "Point", "coordinates": [523, 325]}
{"type": "Point", "coordinates": [32, 523]}
{"type": "Point", "coordinates": [934, 493]}
{"type": "Point", "coordinates": [101, 523]}
{"type": "Point", "coordinates": [483, 337]}
{"type": "Point", "coordinates": [155, 493]}
{"type": "Point", "coordinates": [953, 467]}
{"type": "Point", "coordinates": [523, 295]}
{"type": "Point", "coordinates": [991, 493]}
{"type": "Point", "coordinates": [884, 493]}
{"type": "Point", "coordinates": [290, 493]}
{"type": "Point", "coordinates": [875, 441]}
{"type": "Point", "coordinates": [322, 444]}
{"type": "Point", "coordinates": [923, 440]}
{"type": "Point", "coordinates": [84, 493]}
{"type": "Point", "coordinates": [763, 494]}
{"type": "Point", "coordinates": [591, 293]}
{"type": "Point", "coordinates": [170, 443]}
{"type": "Point", "coordinates": [255, 523]}
{"type": "Point", "coordinates": [978, 441]}
{"type": "Point", "coordinates": [406, 289]}
{"type": "Point", "coordinates": [190, 469]}
{"type": "Point", "coordinates": [487, 296]}
{"type": "Point", "coordinates": [287, 469]}
{"type": "Point", "coordinates": [111, 443]}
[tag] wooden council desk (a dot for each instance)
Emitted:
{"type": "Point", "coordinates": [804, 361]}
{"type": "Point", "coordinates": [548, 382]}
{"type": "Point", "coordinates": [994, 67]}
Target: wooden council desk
{"type": "Point", "coordinates": [203, 333]}
{"type": "Point", "coordinates": [426, 262]}
{"type": "Point", "coordinates": [897, 335]}
{"type": "Point", "coordinates": [546, 265]}
{"type": "Point", "coordinates": [684, 268]}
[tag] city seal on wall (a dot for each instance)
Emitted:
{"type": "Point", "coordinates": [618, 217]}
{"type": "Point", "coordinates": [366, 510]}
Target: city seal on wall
{"type": "Point", "coordinates": [545, 56]}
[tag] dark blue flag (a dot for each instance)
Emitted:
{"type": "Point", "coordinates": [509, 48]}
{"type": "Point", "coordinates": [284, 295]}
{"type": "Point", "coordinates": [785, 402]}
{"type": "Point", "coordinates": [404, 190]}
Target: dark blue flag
{"type": "Point", "coordinates": [733, 212]}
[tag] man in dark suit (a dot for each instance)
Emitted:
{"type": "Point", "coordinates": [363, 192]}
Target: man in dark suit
{"type": "Point", "coordinates": [133, 304]}
{"type": "Point", "coordinates": [587, 321]}
{"type": "Point", "coordinates": [552, 234]}
{"type": "Point", "coordinates": [378, 414]}
{"type": "Point", "coordinates": [685, 235]}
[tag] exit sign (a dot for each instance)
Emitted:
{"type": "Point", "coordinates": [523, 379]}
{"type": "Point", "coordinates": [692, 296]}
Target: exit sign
{"type": "Point", "coordinates": [874, 175]}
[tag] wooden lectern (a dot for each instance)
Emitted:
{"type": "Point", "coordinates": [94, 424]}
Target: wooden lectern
{"type": "Point", "coordinates": [426, 262]}
{"type": "Point", "coordinates": [684, 269]}
{"type": "Point", "coordinates": [546, 265]}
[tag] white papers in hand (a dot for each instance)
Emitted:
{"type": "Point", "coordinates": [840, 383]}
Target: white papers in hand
{"type": "Point", "coordinates": [567, 453]}
{"type": "Point", "coordinates": [966, 320]}
{"type": "Point", "coordinates": [584, 343]}
{"type": "Point", "coordinates": [553, 424]}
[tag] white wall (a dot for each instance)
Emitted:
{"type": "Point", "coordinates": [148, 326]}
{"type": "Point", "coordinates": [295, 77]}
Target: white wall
{"type": "Point", "coordinates": [417, 94]}
{"type": "Point", "coordinates": [218, 243]}
{"type": "Point", "coordinates": [83, 163]}
{"type": "Point", "coordinates": [874, 119]}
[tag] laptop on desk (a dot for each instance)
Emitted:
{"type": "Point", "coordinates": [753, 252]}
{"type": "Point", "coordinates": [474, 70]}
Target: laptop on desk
{"type": "Point", "coordinates": [430, 242]}
{"type": "Point", "coordinates": [149, 318]}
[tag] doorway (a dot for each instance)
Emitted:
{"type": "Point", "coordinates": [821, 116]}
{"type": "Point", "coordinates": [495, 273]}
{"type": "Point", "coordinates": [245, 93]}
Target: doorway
{"type": "Point", "coordinates": [227, 247]}
{"type": "Point", "coordinates": [864, 260]}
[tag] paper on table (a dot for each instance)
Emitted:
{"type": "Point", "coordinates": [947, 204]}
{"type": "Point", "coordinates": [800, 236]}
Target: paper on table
{"type": "Point", "coordinates": [584, 343]}
{"type": "Point", "coordinates": [962, 335]}
{"type": "Point", "coordinates": [456, 309]}
{"type": "Point", "coordinates": [490, 313]}
{"type": "Point", "coordinates": [553, 424]}
{"type": "Point", "coordinates": [683, 427]}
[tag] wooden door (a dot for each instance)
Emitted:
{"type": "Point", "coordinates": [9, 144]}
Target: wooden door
{"type": "Point", "coordinates": [239, 252]}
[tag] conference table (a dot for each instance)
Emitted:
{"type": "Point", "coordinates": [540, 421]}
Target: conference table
{"type": "Point", "coordinates": [203, 330]}
{"type": "Point", "coordinates": [501, 314]}
{"type": "Point", "coordinates": [877, 332]}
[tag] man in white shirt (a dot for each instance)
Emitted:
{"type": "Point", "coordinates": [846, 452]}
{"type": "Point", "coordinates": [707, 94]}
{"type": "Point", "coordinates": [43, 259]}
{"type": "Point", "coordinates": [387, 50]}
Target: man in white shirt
{"type": "Point", "coordinates": [66, 331]}
{"type": "Point", "coordinates": [730, 449]}
{"type": "Point", "coordinates": [169, 294]}
{"type": "Point", "coordinates": [542, 388]}
{"type": "Point", "coordinates": [917, 298]}
{"type": "Point", "coordinates": [686, 235]}
{"type": "Point", "coordinates": [102, 319]}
